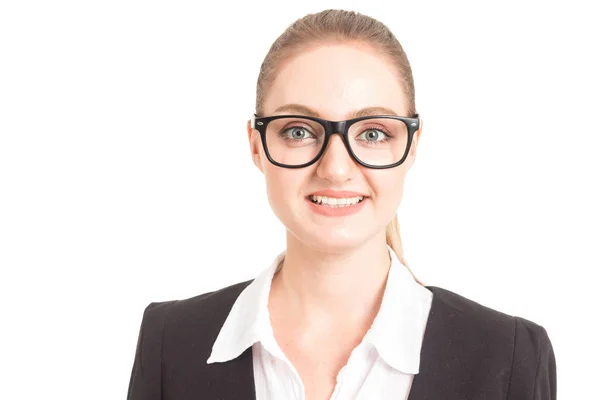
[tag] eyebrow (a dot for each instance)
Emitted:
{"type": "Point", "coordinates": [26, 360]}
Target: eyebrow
{"type": "Point", "coordinates": [363, 112]}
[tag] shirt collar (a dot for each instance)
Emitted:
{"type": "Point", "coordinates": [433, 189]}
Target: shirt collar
{"type": "Point", "coordinates": [397, 331]}
{"type": "Point", "coordinates": [248, 321]}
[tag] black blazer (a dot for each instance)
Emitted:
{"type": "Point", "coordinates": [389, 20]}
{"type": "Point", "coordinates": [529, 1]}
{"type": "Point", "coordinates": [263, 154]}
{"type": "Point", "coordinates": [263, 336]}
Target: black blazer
{"type": "Point", "coordinates": [469, 352]}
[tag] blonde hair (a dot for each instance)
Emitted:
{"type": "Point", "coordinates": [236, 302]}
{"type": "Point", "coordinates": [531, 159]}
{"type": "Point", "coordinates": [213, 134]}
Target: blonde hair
{"type": "Point", "coordinates": [341, 26]}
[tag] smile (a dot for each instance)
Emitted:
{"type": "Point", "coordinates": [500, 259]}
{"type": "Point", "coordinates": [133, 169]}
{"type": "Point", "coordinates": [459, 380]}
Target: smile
{"type": "Point", "coordinates": [336, 202]}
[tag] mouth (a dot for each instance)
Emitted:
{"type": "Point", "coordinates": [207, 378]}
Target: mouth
{"type": "Point", "coordinates": [336, 202]}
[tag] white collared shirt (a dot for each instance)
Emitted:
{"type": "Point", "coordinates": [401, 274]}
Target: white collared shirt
{"type": "Point", "coordinates": [380, 367]}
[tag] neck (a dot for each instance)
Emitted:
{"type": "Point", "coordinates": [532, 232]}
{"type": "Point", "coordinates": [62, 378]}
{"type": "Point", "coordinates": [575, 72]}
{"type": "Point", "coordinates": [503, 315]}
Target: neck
{"type": "Point", "coordinates": [320, 286]}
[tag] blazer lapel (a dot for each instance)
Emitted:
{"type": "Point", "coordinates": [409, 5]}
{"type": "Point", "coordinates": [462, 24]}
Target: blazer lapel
{"type": "Point", "coordinates": [440, 357]}
{"type": "Point", "coordinates": [232, 380]}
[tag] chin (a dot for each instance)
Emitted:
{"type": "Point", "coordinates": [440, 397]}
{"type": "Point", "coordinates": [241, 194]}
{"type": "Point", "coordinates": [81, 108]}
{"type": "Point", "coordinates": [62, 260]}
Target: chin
{"type": "Point", "coordinates": [331, 239]}
{"type": "Point", "coordinates": [331, 234]}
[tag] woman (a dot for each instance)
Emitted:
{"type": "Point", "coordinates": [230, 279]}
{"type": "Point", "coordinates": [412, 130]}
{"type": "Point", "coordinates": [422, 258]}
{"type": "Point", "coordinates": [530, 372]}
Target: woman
{"type": "Point", "coordinates": [338, 314]}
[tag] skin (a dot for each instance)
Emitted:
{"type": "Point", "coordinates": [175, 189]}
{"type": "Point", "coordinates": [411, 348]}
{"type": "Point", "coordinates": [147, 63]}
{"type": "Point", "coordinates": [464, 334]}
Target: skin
{"type": "Point", "coordinates": [326, 296]}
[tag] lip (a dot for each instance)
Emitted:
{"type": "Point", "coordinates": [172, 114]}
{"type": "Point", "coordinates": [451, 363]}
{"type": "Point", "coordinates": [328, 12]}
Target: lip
{"type": "Point", "coordinates": [337, 194]}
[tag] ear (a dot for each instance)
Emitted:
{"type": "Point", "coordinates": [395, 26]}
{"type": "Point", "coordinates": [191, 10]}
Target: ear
{"type": "Point", "coordinates": [255, 146]}
{"type": "Point", "coordinates": [416, 138]}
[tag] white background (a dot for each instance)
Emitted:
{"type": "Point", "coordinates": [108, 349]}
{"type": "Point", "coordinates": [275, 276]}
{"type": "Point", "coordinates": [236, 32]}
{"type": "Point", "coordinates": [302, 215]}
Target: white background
{"type": "Point", "coordinates": [125, 174]}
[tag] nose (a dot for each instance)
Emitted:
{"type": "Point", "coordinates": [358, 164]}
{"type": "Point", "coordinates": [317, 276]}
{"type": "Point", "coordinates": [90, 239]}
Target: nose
{"type": "Point", "coordinates": [336, 165]}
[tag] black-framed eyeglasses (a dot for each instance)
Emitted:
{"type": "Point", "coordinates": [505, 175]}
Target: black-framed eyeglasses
{"type": "Point", "coordinates": [375, 141]}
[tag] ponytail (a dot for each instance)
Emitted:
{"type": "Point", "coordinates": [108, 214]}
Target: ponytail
{"type": "Point", "coordinates": [392, 238]}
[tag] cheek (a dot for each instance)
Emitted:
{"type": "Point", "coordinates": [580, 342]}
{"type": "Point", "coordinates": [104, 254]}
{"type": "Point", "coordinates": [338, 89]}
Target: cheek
{"type": "Point", "coordinates": [388, 185]}
{"type": "Point", "coordinates": [283, 185]}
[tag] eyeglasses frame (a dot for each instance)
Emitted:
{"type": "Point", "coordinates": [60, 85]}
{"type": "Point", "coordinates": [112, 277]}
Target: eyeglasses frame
{"type": "Point", "coordinates": [332, 128]}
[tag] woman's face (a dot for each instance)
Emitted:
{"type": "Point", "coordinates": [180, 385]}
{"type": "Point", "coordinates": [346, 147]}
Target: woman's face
{"type": "Point", "coordinates": [335, 81]}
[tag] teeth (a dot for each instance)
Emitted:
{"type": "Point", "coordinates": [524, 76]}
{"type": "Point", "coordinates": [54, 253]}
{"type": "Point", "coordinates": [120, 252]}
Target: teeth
{"type": "Point", "coordinates": [336, 202]}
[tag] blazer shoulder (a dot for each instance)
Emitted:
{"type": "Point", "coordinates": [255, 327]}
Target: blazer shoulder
{"type": "Point", "coordinates": [472, 326]}
{"type": "Point", "coordinates": [534, 363]}
{"type": "Point", "coordinates": [469, 309]}
{"type": "Point", "coordinates": [182, 322]}
{"type": "Point", "coordinates": [481, 314]}
{"type": "Point", "coordinates": [145, 381]}
{"type": "Point", "coordinates": [211, 304]}
{"type": "Point", "coordinates": [517, 343]}
{"type": "Point", "coordinates": [158, 312]}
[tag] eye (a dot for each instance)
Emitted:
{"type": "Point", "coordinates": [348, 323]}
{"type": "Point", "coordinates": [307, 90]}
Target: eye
{"type": "Point", "coordinates": [372, 135]}
{"type": "Point", "coordinates": [296, 133]}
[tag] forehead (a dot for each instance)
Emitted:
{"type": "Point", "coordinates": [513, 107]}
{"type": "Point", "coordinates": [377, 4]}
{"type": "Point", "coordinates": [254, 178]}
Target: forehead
{"type": "Point", "coordinates": [336, 80]}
